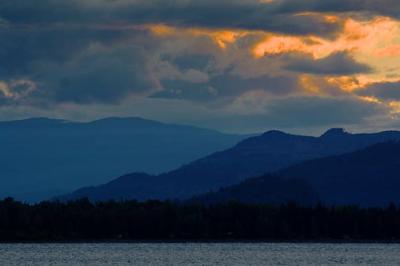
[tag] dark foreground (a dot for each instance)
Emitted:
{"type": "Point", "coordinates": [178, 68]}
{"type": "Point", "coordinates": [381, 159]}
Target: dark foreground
{"type": "Point", "coordinates": [234, 254]}
{"type": "Point", "coordinates": [153, 220]}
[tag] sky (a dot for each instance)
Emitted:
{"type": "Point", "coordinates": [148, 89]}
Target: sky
{"type": "Point", "coordinates": [234, 65]}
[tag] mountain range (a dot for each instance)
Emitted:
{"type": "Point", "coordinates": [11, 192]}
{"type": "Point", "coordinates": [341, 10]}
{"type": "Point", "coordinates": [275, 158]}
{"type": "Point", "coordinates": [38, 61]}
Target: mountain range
{"type": "Point", "coordinates": [368, 178]}
{"type": "Point", "coordinates": [270, 152]}
{"type": "Point", "coordinates": [41, 157]}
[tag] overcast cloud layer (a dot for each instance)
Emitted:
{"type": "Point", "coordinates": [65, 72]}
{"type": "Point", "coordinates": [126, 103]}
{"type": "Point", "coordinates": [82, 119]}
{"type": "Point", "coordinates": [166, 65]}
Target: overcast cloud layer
{"type": "Point", "coordinates": [238, 66]}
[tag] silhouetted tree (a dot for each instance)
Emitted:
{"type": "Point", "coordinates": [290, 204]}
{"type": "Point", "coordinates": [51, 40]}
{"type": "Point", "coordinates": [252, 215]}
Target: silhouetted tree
{"type": "Point", "coordinates": [132, 220]}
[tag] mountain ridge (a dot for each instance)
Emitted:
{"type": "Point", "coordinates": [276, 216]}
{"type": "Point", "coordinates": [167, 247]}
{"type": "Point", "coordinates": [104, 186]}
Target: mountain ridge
{"type": "Point", "coordinates": [254, 156]}
{"type": "Point", "coordinates": [367, 178]}
{"type": "Point", "coordinates": [40, 155]}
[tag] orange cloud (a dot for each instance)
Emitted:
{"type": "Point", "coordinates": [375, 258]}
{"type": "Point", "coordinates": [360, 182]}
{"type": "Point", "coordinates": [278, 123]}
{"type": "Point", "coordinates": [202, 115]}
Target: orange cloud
{"type": "Point", "coordinates": [222, 37]}
{"type": "Point", "coordinates": [346, 83]}
{"type": "Point", "coordinates": [332, 18]}
{"type": "Point", "coordinates": [275, 45]}
{"type": "Point", "coordinates": [162, 30]}
{"type": "Point", "coordinates": [356, 36]}
{"type": "Point", "coordinates": [393, 50]}
{"type": "Point", "coordinates": [374, 42]}
{"type": "Point", "coordinates": [351, 83]}
{"type": "Point", "coordinates": [310, 85]}
{"type": "Point", "coordinates": [373, 37]}
{"type": "Point", "coordinates": [370, 99]}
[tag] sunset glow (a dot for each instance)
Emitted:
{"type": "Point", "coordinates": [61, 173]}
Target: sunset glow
{"type": "Point", "coordinates": [373, 42]}
{"type": "Point", "coordinates": [189, 55]}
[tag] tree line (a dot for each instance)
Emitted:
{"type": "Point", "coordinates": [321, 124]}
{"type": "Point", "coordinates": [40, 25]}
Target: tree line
{"type": "Point", "coordinates": [83, 220]}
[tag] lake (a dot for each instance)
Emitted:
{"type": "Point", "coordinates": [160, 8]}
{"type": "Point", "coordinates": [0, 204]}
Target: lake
{"type": "Point", "coordinates": [200, 254]}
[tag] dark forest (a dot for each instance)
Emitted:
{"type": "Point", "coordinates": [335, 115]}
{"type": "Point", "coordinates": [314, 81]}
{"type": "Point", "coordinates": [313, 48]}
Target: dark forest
{"type": "Point", "coordinates": [82, 220]}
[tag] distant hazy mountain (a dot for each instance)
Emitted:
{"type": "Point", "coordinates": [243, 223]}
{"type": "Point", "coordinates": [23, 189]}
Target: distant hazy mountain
{"type": "Point", "coordinates": [254, 156]}
{"type": "Point", "coordinates": [43, 157]}
{"type": "Point", "coordinates": [368, 178]}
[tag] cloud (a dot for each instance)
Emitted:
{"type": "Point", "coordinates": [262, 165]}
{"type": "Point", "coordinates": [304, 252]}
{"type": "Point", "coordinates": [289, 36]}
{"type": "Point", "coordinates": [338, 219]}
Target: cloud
{"type": "Point", "coordinates": [248, 14]}
{"type": "Point", "coordinates": [335, 64]}
{"type": "Point", "coordinates": [22, 48]}
{"type": "Point", "coordinates": [384, 91]}
{"type": "Point", "coordinates": [226, 86]}
{"type": "Point", "coordinates": [314, 114]}
{"type": "Point", "coordinates": [320, 111]}
{"type": "Point", "coordinates": [104, 75]}
{"type": "Point", "coordinates": [274, 16]}
{"type": "Point", "coordinates": [77, 64]}
{"type": "Point", "coordinates": [191, 61]}
{"type": "Point", "coordinates": [389, 8]}
{"type": "Point", "coordinates": [289, 59]}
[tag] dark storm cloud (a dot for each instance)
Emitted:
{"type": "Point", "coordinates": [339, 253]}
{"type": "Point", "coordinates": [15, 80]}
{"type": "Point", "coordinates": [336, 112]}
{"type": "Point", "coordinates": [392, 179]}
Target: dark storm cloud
{"type": "Point", "coordinates": [313, 111]}
{"type": "Point", "coordinates": [21, 49]}
{"type": "Point", "coordinates": [385, 91]}
{"type": "Point", "coordinates": [93, 51]}
{"type": "Point", "coordinates": [301, 112]}
{"type": "Point", "coordinates": [277, 16]}
{"type": "Point", "coordinates": [101, 76]}
{"type": "Point", "coordinates": [227, 15]}
{"type": "Point", "coordinates": [191, 61]}
{"type": "Point", "coordinates": [335, 64]}
{"type": "Point", "coordinates": [226, 86]}
{"type": "Point", "coordinates": [248, 14]}
{"type": "Point", "coordinates": [184, 90]}
{"type": "Point", "coordinates": [371, 7]}
{"type": "Point", "coordinates": [75, 64]}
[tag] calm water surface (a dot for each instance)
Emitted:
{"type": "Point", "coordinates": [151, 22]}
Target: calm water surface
{"type": "Point", "coordinates": [199, 254]}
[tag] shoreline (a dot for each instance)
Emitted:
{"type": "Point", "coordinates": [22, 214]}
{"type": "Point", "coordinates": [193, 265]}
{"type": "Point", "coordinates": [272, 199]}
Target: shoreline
{"type": "Point", "coordinates": [207, 241]}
